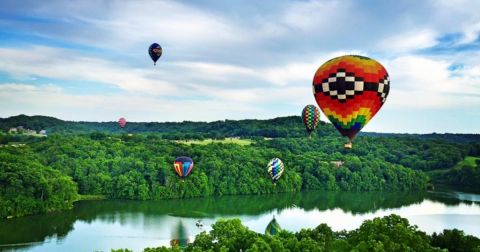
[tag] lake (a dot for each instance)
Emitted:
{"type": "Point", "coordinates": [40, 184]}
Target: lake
{"type": "Point", "coordinates": [103, 225]}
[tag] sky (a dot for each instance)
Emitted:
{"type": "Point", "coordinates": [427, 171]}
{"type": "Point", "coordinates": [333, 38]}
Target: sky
{"type": "Point", "coordinates": [87, 60]}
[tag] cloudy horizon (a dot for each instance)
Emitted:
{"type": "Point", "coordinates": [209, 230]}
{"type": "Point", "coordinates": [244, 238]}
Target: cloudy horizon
{"type": "Point", "coordinates": [88, 60]}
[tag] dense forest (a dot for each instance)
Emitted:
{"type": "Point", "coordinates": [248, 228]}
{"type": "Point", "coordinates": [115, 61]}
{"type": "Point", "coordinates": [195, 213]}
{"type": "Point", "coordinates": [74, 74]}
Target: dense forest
{"type": "Point", "coordinates": [390, 233]}
{"type": "Point", "coordinates": [88, 159]}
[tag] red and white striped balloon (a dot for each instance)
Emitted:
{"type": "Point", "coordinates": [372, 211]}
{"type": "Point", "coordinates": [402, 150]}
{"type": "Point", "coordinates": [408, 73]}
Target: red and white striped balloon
{"type": "Point", "coordinates": [122, 122]}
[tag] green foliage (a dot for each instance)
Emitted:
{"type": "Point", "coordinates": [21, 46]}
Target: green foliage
{"type": "Point", "coordinates": [139, 166]}
{"type": "Point", "coordinates": [465, 174]}
{"type": "Point", "coordinates": [456, 241]}
{"type": "Point", "coordinates": [28, 187]}
{"type": "Point", "coordinates": [389, 233]}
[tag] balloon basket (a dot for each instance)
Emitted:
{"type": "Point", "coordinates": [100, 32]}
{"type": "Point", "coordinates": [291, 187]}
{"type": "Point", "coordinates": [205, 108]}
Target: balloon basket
{"type": "Point", "coordinates": [348, 145]}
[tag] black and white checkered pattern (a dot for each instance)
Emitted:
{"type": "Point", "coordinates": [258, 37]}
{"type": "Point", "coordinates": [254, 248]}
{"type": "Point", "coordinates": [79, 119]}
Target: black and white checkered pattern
{"type": "Point", "coordinates": [344, 85]}
{"type": "Point", "coordinates": [383, 88]}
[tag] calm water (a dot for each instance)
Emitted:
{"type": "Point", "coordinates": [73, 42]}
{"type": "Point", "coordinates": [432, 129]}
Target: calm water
{"type": "Point", "coordinates": [102, 225]}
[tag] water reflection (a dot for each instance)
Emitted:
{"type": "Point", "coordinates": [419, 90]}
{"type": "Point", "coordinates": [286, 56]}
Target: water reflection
{"type": "Point", "coordinates": [179, 235]}
{"type": "Point", "coordinates": [144, 221]}
{"type": "Point", "coordinates": [273, 227]}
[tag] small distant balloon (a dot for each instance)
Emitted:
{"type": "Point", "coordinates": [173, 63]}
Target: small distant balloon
{"type": "Point", "coordinates": [275, 169]}
{"type": "Point", "coordinates": [311, 117]}
{"type": "Point", "coordinates": [155, 51]}
{"type": "Point", "coordinates": [122, 122]}
{"type": "Point", "coordinates": [183, 166]}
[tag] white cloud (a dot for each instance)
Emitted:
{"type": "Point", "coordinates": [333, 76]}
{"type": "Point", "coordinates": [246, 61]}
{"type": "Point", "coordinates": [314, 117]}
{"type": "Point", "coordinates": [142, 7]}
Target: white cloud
{"type": "Point", "coordinates": [123, 24]}
{"type": "Point", "coordinates": [470, 33]}
{"type": "Point", "coordinates": [314, 15]}
{"type": "Point", "coordinates": [32, 100]}
{"type": "Point", "coordinates": [215, 71]}
{"type": "Point", "coordinates": [425, 82]}
{"type": "Point", "coordinates": [301, 71]}
{"type": "Point", "coordinates": [409, 41]}
{"type": "Point", "coordinates": [64, 64]}
{"type": "Point", "coordinates": [243, 62]}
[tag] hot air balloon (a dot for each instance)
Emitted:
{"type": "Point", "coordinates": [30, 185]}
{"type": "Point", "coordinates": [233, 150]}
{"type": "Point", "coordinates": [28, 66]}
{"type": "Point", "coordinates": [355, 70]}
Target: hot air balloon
{"type": "Point", "coordinates": [183, 166]}
{"type": "Point", "coordinates": [275, 169]}
{"type": "Point", "coordinates": [350, 90]}
{"type": "Point", "coordinates": [155, 51]}
{"type": "Point", "coordinates": [311, 117]}
{"type": "Point", "coordinates": [273, 227]}
{"type": "Point", "coordinates": [122, 122]}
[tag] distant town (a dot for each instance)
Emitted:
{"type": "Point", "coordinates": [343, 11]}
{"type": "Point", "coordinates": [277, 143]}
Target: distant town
{"type": "Point", "coordinates": [22, 130]}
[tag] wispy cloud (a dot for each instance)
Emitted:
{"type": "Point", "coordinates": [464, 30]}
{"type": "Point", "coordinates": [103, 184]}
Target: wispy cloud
{"type": "Point", "coordinates": [231, 60]}
{"type": "Point", "coordinates": [64, 64]}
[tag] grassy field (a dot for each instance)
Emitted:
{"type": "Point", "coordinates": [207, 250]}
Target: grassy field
{"type": "Point", "coordinates": [468, 161]}
{"type": "Point", "coordinates": [238, 141]}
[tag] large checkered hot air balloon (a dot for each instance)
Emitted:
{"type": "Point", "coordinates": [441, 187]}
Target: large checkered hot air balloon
{"type": "Point", "coordinates": [122, 122]}
{"type": "Point", "coordinates": [350, 90]}
{"type": "Point", "coordinates": [183, 166]}
{"type": "Point", "coordinates": [310, 117]}
{"type": "Point", "coordinates": [275, 169]}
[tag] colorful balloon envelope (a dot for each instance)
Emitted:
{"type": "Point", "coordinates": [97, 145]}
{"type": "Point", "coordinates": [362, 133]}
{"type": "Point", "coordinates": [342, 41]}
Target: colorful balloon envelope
{"type": "Point", "coordinates": [122, 122]}
{"type": "Point", "coordinates": [183, 166]}
{"type": "Point", "coordinates": [311, 117]}
{"type": "Point", "coordinates": [155, 51]}
{"type": "Point", "coordinates": [275, 169]}
{"type": "Point", "coordinates": [350, 90]}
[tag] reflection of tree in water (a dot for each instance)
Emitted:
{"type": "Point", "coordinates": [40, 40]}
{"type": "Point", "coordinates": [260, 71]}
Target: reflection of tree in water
{"type": "Point", "coordinates": [359, 202]}
{"type": "Point", "coordinates": [179, 235]}
{"type": "Point", "coordinates": [273, 227]}
{"type": "Point", "coordinates": [451, 198]}
{"type": "Point", "coordinates": [38, 228]}
{"type": "Point", "coordinates": [27, 231]}
{"type": "Point", "coordinates": [355, 202]}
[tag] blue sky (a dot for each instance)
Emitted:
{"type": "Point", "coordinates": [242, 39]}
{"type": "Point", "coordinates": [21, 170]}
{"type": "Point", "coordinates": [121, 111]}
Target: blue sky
{"type": "Point", "coordinates": [87, 60]}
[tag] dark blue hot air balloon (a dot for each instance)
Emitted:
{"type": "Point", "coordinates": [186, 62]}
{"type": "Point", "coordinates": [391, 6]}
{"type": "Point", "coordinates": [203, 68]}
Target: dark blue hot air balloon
{"type": "Point", "coordinates": [155, 51]}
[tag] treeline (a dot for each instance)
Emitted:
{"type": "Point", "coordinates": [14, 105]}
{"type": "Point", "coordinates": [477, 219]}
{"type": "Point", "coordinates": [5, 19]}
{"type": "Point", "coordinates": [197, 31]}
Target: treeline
{"type": "Point", "coordinates": [390, 233]}
{"type": "Point", "coordinates": [290, 126]}
{"type": "Point", "coordinates": [29, 187]}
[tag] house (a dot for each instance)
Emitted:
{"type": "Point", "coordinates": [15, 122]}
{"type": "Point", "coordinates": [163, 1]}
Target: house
{"type": "Point", "coordinates": [30, 132]}
{"type": "Point", "coordinates": [337, 164]}
{"type": "Point", "coordinates": [13, 131]}
{"type": "Point", "coordinates": [43, 132]}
